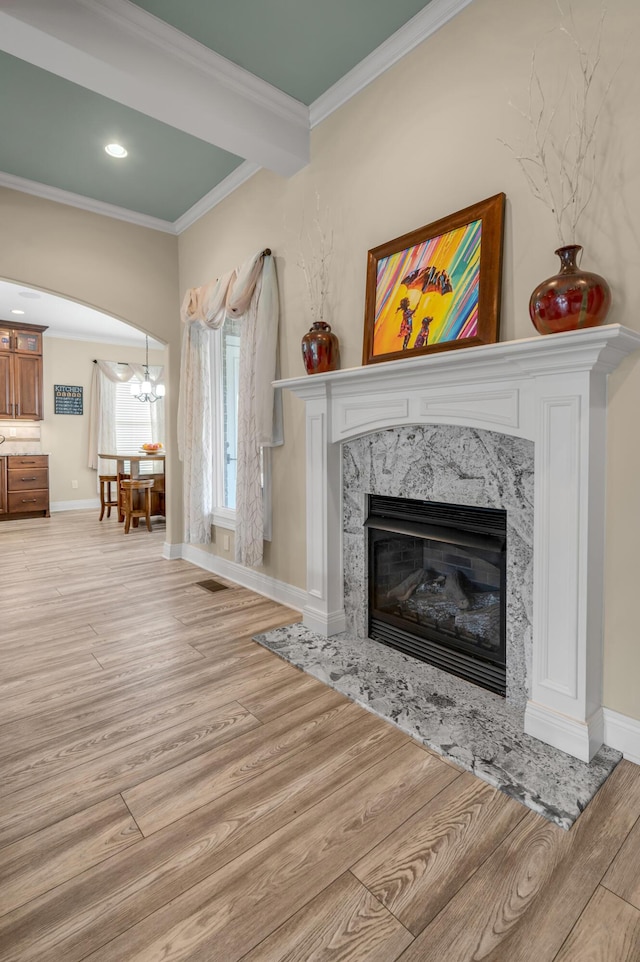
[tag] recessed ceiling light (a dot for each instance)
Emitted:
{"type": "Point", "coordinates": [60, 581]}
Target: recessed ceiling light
{"type": "Point", "coordinates": [32, 294]}
{"type": "Point", "coordinates": [116, 150]}
{"type": "Point", "coordinates": [16, 310]}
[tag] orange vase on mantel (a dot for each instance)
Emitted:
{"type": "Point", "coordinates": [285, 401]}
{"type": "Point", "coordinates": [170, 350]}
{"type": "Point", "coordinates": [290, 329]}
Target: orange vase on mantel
{"type": "Point", "coordinates": [571, 299]}
{"type": "Point", "coordinates": [320, 349]}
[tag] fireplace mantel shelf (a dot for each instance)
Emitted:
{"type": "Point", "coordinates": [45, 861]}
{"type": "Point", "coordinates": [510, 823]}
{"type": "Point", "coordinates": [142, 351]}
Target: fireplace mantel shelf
{"type": "Point", "coordinates": [551, 390]}
{"type": "Point", "coordinates": [600, 348]}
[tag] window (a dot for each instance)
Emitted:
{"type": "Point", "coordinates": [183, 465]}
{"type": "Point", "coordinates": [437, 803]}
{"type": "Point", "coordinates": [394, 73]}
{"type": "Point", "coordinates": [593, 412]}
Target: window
{"type": "Point", "coordinates": [133, 423]}
{"type": "Point", "coordinates": [133, 420]}
{"type": "Point", "coordinates": [225, 367]}
{"type": "Point", "coordinates": [230, 384]}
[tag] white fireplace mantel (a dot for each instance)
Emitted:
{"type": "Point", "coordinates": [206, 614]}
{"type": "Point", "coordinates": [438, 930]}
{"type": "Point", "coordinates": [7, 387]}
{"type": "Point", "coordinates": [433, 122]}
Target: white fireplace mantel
{"type": "Point", "coordinates": [551, 390]}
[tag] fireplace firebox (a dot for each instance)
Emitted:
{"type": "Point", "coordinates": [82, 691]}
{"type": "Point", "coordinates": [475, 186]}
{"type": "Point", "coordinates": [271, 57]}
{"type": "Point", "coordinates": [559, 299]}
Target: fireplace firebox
{"type": "Point", "coordinates": [437, 585]}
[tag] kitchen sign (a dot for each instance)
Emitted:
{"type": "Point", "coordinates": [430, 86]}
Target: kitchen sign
{"type": "Point", "coordinates": [67, 399]}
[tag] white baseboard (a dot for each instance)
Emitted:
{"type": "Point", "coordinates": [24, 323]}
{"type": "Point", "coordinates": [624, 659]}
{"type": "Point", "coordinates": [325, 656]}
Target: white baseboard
{"type": "Point", "coordinates": [622, 733]}
{"type": "Point", "coordinates": [582, 739]}
{"type": "Point", "coordinates": [93, 503]}
{"type": "Point", "coordinates": [171, 551]}
{"type": "Point", "coordinates": [279, 591]}
{"type": "Point", "coordinates": [323, 624]}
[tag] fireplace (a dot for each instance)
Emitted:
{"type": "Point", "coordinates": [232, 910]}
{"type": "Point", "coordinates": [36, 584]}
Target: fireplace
{"type": "Point", "coordinates": [437, 585]}
{"type": "Point", "coordinates": [549, 393]}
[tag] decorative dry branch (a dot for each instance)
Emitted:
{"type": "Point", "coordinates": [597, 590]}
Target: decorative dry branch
{"type": "Point", "coordinates": [559, 161]}
{"type": "Point", "coordinates": [318, 240]}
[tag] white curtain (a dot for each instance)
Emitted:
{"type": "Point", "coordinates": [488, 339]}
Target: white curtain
{"type": "Point", "coordinates": [250, 293]}
{"type": "Point", "coordinates": [194, 433]}
{"type": "Point", "coordinates": [102, 410]}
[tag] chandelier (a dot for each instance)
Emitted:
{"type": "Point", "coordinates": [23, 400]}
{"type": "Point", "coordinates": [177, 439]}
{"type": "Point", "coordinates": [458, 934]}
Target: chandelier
{"type": "Point", "coordinates": [144, 390]}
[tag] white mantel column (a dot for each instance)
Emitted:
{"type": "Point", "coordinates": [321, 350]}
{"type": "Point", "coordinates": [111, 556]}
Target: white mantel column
{"type": "Point", "coordinates": [324, 611]}
{"type": "Point", "coordinates": [565, 706]}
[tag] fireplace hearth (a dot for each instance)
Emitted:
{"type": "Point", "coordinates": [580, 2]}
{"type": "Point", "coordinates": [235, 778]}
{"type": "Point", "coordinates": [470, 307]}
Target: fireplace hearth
{"type": "Point", "coordinates": [437, 589]}
{"type": "Point", "coordinates": [472, 727]}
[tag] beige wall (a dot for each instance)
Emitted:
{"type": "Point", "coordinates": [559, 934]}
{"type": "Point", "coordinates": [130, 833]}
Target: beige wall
{"type": "Point", "coordinates": [419, 143]}
{"type": "Point", "coordinates": [423, 141]}
{"type": "Point", "coordinates": [126, 271]}
{"type": "Point", "coordinates": [65, 437]}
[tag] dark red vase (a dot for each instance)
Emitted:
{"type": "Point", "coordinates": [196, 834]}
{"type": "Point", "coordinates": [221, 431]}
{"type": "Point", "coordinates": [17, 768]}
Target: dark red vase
{"type": "Point", "coordinates": [571, 299]}
{"type": "Point", "coordinates": [320, 349]}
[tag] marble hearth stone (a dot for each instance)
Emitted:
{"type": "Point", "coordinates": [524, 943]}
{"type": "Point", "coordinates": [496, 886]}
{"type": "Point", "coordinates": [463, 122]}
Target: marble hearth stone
{"type": "Point", "coordinates": [466, 724]}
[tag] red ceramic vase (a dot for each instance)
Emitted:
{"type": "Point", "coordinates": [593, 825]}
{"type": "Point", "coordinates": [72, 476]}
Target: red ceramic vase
{"type": "Point", "coordinates": [320, 349]}
{"type": "Point", "coordinates": [571, 299]}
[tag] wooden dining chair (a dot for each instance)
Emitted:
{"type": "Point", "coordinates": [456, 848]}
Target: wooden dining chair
{"type": "Point", "coordinates": [136, 501]}
{"type": "Point", "coordinates": [121, 477]}
{"type": "Point", "coordinates": [107, 499]}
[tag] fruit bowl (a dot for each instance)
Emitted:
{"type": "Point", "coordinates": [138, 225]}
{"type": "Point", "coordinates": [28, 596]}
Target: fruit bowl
{"type": "Point", "coordinates": [152, 449]}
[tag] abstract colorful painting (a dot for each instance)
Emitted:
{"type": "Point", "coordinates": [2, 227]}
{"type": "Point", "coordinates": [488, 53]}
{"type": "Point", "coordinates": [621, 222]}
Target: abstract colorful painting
{"type": "Point", "coordinates": [436, 288]}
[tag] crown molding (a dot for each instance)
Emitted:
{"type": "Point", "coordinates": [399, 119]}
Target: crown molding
{"type": "Point", "coordinates": [117, 51]}
{"type": "Point", "coordinates": [226, 187]}
{"type": "Point", "coordinates": [59, 196]}
{"type": "Point", "coordinates": [149, 28]}
{"type": "Point", "coordinates": [425, 23]}
{"type": "Point", "coordinates": [92, 338]}
{"type": "Point", "coordinates": [418, 29]}
{"type": "Point", "coordinates": [137, 22]}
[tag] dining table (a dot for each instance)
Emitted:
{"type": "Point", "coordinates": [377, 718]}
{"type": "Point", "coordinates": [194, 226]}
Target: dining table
{"type": "Point", "coordinates": [134, 461]}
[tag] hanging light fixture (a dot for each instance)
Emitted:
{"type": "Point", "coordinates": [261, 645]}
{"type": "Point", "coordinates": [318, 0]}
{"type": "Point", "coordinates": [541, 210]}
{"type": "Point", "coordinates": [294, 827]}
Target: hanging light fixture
{"type": "Point", "coordinates": [143, 390]}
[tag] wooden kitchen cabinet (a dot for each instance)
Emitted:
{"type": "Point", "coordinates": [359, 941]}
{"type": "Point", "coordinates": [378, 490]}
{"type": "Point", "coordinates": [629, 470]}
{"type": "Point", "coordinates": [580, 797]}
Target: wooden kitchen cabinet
{"type": "Point", "coordinates": [21, 371]}
{"type": "Point", "coordinates": [27, 486]}
{"type": "Point", "coordinates": [3, 487]}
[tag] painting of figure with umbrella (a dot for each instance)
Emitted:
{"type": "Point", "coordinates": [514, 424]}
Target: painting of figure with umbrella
{"type": "Point", "coordinates": [436, 288]}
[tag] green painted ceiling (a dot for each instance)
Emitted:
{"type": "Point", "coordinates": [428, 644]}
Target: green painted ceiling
{"type": "Point", "coordinates": [301, 46]}
{"type": "Point", "coordinates": [55, 132]}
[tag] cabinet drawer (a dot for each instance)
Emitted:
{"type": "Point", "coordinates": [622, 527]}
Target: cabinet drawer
{"type": "Point", "coordinates": [28, 478]}
{"type": "Point", "coordinates": [28, 501]}
{"type": "Point", "coordinates": [27, 460]}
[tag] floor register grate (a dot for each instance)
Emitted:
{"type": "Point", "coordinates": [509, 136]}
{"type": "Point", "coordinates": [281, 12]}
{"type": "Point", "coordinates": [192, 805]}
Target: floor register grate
{"type": "Point", "coordinates": [211, 585]}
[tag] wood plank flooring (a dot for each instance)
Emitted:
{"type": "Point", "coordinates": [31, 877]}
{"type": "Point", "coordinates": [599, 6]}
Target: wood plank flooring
{"type": "Point", "coordinates": [171, 790]}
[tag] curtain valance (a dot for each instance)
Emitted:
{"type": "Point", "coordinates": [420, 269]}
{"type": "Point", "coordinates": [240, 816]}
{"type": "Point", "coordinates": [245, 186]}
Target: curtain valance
{"type": "Point", "coordinates": [102, 409]}
{"type": "Point", "coordinates": [115, 371]}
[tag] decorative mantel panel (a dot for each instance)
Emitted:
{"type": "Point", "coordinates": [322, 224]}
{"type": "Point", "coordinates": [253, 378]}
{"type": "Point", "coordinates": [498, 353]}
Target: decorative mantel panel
{"type": "Point", "coordinates": [551, 390]}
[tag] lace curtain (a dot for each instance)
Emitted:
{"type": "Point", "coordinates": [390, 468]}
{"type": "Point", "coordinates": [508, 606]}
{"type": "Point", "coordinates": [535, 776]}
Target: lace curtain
{"type": "Point", "coordinates": [102, 408]}
{"type": "Point", "coordinates": [250, 293]}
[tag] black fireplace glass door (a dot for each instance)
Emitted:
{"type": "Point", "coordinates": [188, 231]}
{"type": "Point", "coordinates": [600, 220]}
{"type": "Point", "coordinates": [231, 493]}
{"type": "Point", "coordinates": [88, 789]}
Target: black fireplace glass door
{"type": "Point", "coordinates": [438, 593]}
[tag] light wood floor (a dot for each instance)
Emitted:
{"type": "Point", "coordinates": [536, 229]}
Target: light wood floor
{"type": "Point", "coordinates": [170, 790]}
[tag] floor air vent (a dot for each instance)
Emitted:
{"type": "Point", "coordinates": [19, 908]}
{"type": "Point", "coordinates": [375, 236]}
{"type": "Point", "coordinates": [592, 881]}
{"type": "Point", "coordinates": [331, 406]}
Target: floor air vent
{"type": "Point", "coordinates": [211, 585]}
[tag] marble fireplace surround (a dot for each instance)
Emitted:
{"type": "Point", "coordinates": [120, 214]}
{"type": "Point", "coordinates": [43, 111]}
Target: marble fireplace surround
{"type": "Point", "coordinates": [452, 465]}
{"type": "Point", "coordinates": [550, 390]}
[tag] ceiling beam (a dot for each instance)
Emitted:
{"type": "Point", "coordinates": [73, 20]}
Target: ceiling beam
{"type": "Point", "coordinates": [120, 51]}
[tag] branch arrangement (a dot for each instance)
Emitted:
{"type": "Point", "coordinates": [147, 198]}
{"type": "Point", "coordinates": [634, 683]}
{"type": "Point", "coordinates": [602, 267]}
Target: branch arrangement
{"type": "Point", "coordinates": [315, 267]}
{"type": "Point", "coordinates": [560, 162]}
